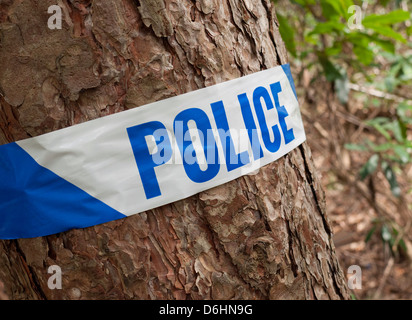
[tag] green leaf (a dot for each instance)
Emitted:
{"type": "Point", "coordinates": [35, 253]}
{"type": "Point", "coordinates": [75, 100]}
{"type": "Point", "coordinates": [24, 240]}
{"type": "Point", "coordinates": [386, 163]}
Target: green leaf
{"type": "Point", "coordinates": [330, 9]}
{"type": "Point", "coordinates": [386, 31]}
{"type": "Point", "coordinates": [288, 34]}
{"type": "Point", "coordinates": [370, 233]}
{"type": "Point", "coordinates": [396, 128]}
{"type": "Point", "coordinates": [355, 147]}
{"type": "Point", "coordinates": [395, 68]}
{"type": "Point", "coordinates": [386, 45]}
{"type": "Point", "coordinates": [342, 88]}
{"type": "Point", "coordinates": [403, 245]}
{"type": "Point", "coordinates": [390, 176]}
{"type": "Point", "coordinates": [345, 6]}
{"type": "Point", "coordinates": [386, 19]}
{"type": "Point", "coordinates": [384, 2]}
{"type": "Point", "coordinates": [385, 233]}
{"type": "Point", "coordinates": [328, 27]}
{"type": "Point", "coordinates": [364, 54]}
{"type": "Point", "coordinates": [403, 129]}
{"type": "Point", "coordinates": [331, 72]}
{"type": "Point", "coordinates": [369, 167]}
{"type": "Point", "coordinates": [403, 109]}
{"type": "Point", "coordinates": [380, 124]}
{"type": "Point", "coordinates": [409, 30]}
{"type": "Point", "coordinates": [390, 83]}
{"type": "Point", "coordinates": [406, 71]}
{"type": "Point", "coordinates": [383, 147]}
{"type": "Point", "coordinates": [382, 131]}
{"type": "Point", "coordinates": [402, 153]}
{"type": "Point", "coordinates": [378, 120]}
{"type": "Point", "coordinates": [303, 3]}
{"type": "Point", "coordinates": [360, 42]}
{"type": "Point", "coordinates": [334, 50]}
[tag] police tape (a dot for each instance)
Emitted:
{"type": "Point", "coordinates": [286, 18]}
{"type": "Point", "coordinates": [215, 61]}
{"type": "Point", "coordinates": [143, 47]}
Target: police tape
{"type": "Point", "coordinates": [140, 159]}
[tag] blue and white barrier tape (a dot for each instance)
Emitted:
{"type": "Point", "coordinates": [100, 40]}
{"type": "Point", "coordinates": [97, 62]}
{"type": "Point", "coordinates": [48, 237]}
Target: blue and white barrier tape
{"type": "Point", "coordinates": [143, 158]}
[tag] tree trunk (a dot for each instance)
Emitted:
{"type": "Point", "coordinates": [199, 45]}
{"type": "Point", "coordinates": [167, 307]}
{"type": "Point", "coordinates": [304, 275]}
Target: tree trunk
{"type": "Point", "coordinates": [264, 236]}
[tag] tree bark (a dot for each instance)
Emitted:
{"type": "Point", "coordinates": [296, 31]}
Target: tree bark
{"type": "Point", "coordinates": [265, 236]}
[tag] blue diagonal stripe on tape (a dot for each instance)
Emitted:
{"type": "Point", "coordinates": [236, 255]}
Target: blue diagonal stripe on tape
{"type": "Point", "coordinates": [34, 201]}
{"type": "Point", "coordinates": [286, 70]}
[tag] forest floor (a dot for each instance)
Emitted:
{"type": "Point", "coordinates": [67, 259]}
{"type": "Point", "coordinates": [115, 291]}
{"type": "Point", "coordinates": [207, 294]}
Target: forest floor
{"type": "Point", "coordinates": [354, 206]}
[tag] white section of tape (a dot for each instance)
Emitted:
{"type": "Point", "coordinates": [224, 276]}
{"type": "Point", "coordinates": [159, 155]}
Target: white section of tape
{"type": "Point", "coordinates": [97, 156]}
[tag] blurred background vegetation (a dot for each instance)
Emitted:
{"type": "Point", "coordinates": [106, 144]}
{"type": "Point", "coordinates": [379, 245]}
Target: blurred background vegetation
{"type": "Point", "coordinates": [352, 64]}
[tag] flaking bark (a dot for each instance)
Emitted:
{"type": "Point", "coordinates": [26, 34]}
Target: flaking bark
{"type": "Point", "coordinates": [263, 236]}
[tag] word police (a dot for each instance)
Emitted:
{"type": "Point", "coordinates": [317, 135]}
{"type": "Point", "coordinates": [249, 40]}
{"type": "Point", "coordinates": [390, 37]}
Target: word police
{"type": "Point", "coordinates": [204, 144]}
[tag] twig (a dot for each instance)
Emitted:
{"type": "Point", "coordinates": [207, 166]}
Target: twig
{"type": "Point", "coordinates": [401, 234]}
{"type": "Point", "coordinates": [386, 273]}
{"type": "Point", "coordinates": [378, 93]}
{"type": "Point", "coordinates": [347, 177]}
{"type": "Point", "coordinates": [349, 118]}
{"type": "Point", "coordinates": [363, 125]}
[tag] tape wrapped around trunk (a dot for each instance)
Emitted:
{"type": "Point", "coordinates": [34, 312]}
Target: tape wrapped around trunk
{"type": "Point", "coordinates": [140, 159]}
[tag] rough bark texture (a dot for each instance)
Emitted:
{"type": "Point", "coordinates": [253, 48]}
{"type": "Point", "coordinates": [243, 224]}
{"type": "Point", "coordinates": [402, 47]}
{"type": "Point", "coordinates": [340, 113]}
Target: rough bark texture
{"type": "Point", "coordinates": [264, 236]}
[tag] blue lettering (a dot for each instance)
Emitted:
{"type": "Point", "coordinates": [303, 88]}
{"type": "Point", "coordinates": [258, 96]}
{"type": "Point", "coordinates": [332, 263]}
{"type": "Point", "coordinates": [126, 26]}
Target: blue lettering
{"type": "Point", "coordinates": [144, 160]}
{"type": "Point", "coordinates": [250, 126]}
{"type": "Point", "coordinates": [282, 113]}
{"type": "Point", "coordinates": [258, 94]}
{"type": "Point", "coordinates": [193, 170]}
{"type": "Point", "coordinates": [233, 160]}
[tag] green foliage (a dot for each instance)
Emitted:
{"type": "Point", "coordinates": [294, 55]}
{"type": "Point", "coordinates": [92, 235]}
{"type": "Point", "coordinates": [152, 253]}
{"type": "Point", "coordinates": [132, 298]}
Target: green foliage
{"type": "Point", "coordinates": [369, 167]}
{"type": "Point", "coordinates": [389, 234]}
{"type": "Point", "coordinates": [386, 19]}
{"type": "Point", "coordinates": [329, 30]}
{"type": "Point", "coordinates": [342, 88]}
{"type": "Point", "coordinates": [320, 39]}
{"type": "Point", "coordinates": [395, 152]}
{"type": "Point", "coordinates": [381, 24]}
{"type": "Point", "coordinates": [399, 73]}
{"type": "Point", "coordinates": [390, 176]}
{"type": "Point", "coordinates": [288, 34]}
{"type": "Point", "coordinates": [339, 51]}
